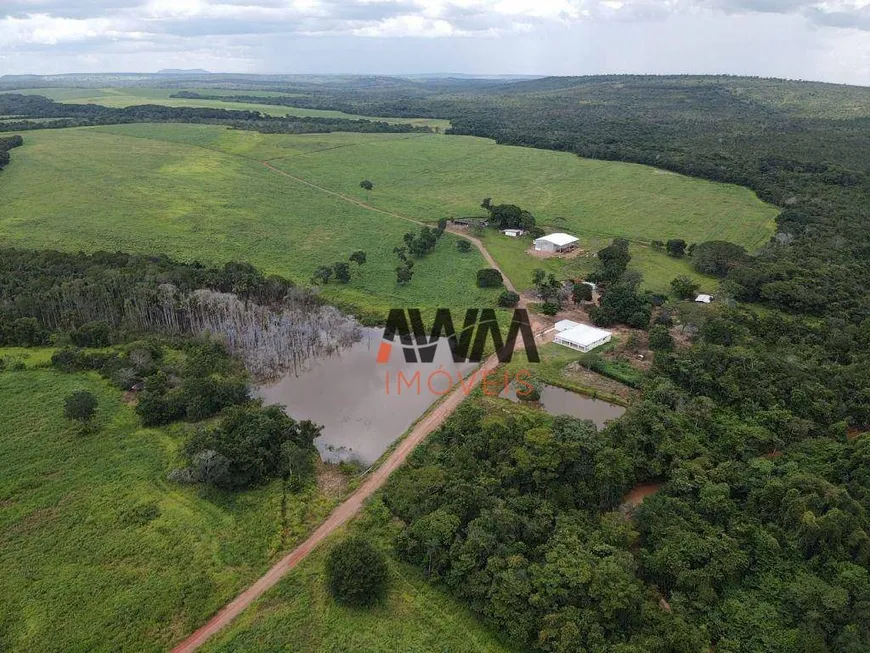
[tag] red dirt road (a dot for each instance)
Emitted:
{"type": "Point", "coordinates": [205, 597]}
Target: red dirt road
{"type": "Point", "coordinates": [352, 505]}
{"type": "Point", "coordinates": [341, 515]}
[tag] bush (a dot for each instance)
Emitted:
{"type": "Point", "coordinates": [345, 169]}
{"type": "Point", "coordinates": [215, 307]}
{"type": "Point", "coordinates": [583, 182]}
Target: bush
{"type": "Point", "coordinates": [660, 338]}
{"type": "Point", "coordinates": [463, 246]}
{"type": "Point", "coordinates": [80, 406]}
{"type": "Point", "coordinates": [508, 299]}
{"type": "Point", "coordinates": [550, 308]}
{"type": "Point", "coordinates": [489, 278]}
{"type": "Point", "coordinates": [356, 572]}
{"type": "Point", "coordinates": [684, 288]}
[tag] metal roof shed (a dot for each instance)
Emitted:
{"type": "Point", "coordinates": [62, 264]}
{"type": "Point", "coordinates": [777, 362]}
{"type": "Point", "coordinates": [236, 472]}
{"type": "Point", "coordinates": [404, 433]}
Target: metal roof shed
{"type": "Point", "coordinates": [583, 337]}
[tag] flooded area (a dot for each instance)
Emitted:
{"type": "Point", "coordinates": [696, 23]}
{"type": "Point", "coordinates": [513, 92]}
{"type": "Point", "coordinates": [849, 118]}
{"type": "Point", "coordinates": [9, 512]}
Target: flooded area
{"type": "Point", "coordinates": [348, 394]}
{"type": "Point", "coordinates": [558, 401]}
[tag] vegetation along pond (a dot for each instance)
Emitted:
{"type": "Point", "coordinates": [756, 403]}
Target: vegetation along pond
{"type": "Point", "coordinates": [558, 401]}
{"type": "Point", "coordinates": [347, 394]}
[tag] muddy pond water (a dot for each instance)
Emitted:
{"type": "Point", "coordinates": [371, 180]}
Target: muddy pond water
{"type": "Point", "coordinates": [347, 395]}
{"type": "Point", "coordinates": [558, 401]}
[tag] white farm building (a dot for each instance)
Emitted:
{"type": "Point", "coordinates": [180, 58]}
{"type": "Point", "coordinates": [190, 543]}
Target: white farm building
{"type": "Point", "coordinates": [581, 337]}
{"type": "Point", "coordinates": [704, 299]}
{"type": "Point", "coordinates": [558, 242]}
{"type": "Point", "coordinates": [513, 233]}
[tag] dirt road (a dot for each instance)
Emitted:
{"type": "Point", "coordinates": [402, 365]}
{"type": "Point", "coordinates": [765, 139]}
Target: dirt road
{"type": "Point", "coordinates": [352, 505]}
{"type": "Point", "coordinates": [352, 200]}
{"type": "Point", "coordinates": [340, 516]}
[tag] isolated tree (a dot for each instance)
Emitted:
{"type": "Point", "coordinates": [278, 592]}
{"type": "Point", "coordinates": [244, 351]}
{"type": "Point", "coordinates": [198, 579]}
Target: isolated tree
{"type": "Point", "coordinates": [80, 406]}
{"type": "Point", "coordinates": [486, 204]}
{"type": "Point", "coordinates": [323, 274]}
{"type": "Point", "coordinates": [463, 246]}
{"type": "Point", "coordinates": [582, 292]}
{"type": "Point", "coordinates": [358, 257]}
{"type": "Point", "coordinates": [613, 260]}
{"type": "Point", "coordinates": [508, 299]}
{"type": "Point", "coordinates": [684, 287]}
{"type": "Point", "coordinates": [341, 271]}
{"type": "Point", "coordinates": [539, 276]}
{"type": "Point", "coordinates": [365, 184]}
{"type": "Point", "coordinates": [356, 572]}
{"type": "Point", "coordinates": [676, 247]}
{"type": "Point", "coordinates": [442, 225]}
{"type": "Point", "coordinates": [403, 275]}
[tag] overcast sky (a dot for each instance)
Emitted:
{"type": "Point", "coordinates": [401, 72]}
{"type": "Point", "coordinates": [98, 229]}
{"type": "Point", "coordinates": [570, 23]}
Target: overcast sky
{"type": "Point", "coordinates": [827, 41]}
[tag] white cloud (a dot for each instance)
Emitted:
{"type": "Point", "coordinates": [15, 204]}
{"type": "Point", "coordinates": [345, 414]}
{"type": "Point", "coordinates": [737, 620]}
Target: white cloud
{"type": "Point", "coordinates": [807, 38]}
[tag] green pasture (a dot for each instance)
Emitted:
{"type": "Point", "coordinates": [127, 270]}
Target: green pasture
{"type": "Point", "coordinates": [87, 189]}
{"type": "Point", "coordinates": [415, 617]}
{"type": "Point", "coordinates": [202, 192]}
{"type": "Point", "coordinates": [98, 551]}
{"type": "Point", "coordinates": [433, 176]}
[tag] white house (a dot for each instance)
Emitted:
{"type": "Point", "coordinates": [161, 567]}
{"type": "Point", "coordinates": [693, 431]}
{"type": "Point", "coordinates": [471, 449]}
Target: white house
{"type": "Point", "coordinates": [513, 233]}
{"type": "Point", "coordinates": [564, 325]}
{"type": "Point", "coordinates": [558, 242]}
{"type": "Point", "coordinates": [582, 337]}
{"type": "Point", "coordinates": [704, 299]}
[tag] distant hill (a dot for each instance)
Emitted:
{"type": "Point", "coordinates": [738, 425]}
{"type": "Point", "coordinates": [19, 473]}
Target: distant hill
{"type": "Point", "coordinates": [183, 71]}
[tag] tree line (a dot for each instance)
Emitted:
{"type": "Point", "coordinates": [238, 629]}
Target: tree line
{"type": "Point", "coordinates": [56, 115]}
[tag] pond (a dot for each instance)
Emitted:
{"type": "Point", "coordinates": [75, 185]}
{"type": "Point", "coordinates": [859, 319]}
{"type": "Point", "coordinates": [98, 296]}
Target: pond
{"type": "Point", "coordinates": [558, 401]}
{"type": "Point", "coordinates": [347, 395]}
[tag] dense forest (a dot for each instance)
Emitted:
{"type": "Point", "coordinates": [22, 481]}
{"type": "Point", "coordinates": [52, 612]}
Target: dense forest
{"type": "Point", "coordinates": [266, 321]}
{"type": "Point", "coordinates": [37, 112]}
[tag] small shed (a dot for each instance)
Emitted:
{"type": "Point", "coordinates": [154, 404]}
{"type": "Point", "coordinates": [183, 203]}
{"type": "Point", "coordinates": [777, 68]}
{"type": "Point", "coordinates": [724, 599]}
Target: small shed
{"type": "Point", "coordinates": [704, 299]}
{"type": "Point", "coordinates": [513, 233]}
{"type": "Point", "coordinates": [557, 242]}
{"type": "Point", "coordinates": [583, 337]}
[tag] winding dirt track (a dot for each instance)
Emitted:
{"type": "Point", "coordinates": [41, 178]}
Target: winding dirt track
{"type": "Point", "coordinates": [352, 200]}
{"type": "Point", "coordinates": [352, 505]}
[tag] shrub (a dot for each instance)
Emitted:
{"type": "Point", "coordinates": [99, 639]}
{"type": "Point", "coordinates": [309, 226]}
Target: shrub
{"type": "Point", "coordinates": [660, 338]}
{"type": "Point", "coordinates": [550, 308]}
{"type": "Point", "coordinates": [508, 299]}
{"type": "Point", "coordinates": [80, 406]}
{"type": "Point", "coordinates": [489, 278]}
{"type": "Point", "coordinates": [684, 288]}
{"type": "Point", "coordinates": [463, 246]}
{"type": "Point", "coordinates": [356, 572]}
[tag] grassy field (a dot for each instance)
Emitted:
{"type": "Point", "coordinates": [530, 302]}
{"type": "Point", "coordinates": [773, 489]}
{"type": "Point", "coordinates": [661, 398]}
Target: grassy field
{"type": "Point", "coordinates": [98, 552]}
{"type": "Point", "coordinates": [93, 190]}
{"type": "Point", "coordinates": [433, 176]}
{"type": "Point", "coordinates": [416, 617]}
{"type": "Point", "coordinates": [126, 97]}
{"type": "Point", "coordinates": [202, 192]}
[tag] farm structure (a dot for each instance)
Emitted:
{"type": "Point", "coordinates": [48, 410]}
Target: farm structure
{"type": "Point", "coordinates": [556, 243]}
{"type": "Point", "coordinates": [581, 337]}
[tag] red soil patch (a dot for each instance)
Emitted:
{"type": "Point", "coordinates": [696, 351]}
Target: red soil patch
{"type": "Point", "coordinates": [641, 492]}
